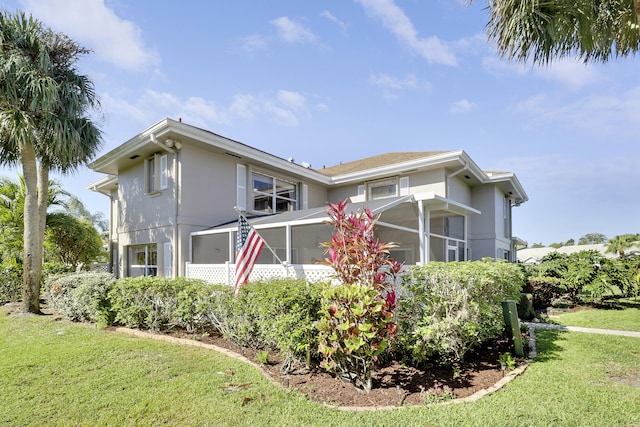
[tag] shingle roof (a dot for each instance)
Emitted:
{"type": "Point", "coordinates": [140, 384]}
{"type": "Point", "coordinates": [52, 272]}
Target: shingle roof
{"type": "Point", "coordinates": [376, 161]}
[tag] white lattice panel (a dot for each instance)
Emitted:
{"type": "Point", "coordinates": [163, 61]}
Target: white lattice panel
{"type": "Point", "coordinates": [211, 273]}
{"type": "Point", "coordinates": [222, 273]}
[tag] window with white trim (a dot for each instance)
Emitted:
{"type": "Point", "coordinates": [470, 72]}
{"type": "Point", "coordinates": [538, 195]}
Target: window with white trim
{"type": "Point", "coordinates": [156, 173]}
{"type": "Point", "coordinates": [273, 195]}
{"type": "Point", "coordinates": [383, 189]}
{"type": "Point", "coordinates": [143, 260]}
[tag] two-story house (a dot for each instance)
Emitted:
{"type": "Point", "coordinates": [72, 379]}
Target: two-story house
{"type": "Point", "coordinates": [175, 190]}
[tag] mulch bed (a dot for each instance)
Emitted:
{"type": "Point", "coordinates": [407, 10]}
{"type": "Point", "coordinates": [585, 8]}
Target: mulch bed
{"type": "Point", "coordinates": [394, 384]}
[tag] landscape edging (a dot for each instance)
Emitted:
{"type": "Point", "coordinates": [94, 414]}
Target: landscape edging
{"type": "Point", "coordinates": [474, 397]}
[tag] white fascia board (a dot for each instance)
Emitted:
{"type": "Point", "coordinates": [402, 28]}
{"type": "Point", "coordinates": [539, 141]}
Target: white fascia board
{"type": "Point", "coordinates": [106, 181]}
{"type": "Point", "coordinates": [398, 168]}
{"type": "Point", "coordinates": [124, 150]}
{"type": "Point", "coordinates": [513, 180]}
{"type": "Point", "coordinates": [169, 125]}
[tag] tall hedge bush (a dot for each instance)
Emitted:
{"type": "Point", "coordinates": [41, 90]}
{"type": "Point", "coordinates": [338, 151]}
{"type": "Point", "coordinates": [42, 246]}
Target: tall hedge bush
{"type": "Point", "coordinates": [80, 296]}
{"type": "Point", "coordinates": [158, 303]}
{"type": "Point", "coordinates": [445, 309]}
{"type": "Point", "coordinates": [279, 314]}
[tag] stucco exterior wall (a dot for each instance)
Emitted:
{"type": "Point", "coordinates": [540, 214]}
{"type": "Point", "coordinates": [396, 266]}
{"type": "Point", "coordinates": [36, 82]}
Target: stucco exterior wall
{"type": "Point", "coordinates": [489, 232]}
{"type": "Point", "coordinates": [459, 190]}
{"type": "Point", "coordinates": [428, 182]}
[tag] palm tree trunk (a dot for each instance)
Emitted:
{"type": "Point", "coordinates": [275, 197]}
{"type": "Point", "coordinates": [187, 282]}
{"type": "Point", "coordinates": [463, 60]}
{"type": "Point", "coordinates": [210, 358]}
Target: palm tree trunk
{"type": "Point", "coordinates": [31, 283]}
{"type": "Point", "coordinates": [43, 204]}
{"type": "Point", "coordinates": [636, 7]}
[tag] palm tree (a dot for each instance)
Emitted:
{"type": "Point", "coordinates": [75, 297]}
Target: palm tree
{"type": "Point", "coordinates": [44, 123]}
{"type": "Point", "coordinates": [620, 244]}
{"type": "Point", "coordinates": [542, 30]}
{"type": "Point", "coordinates": [11, 218]}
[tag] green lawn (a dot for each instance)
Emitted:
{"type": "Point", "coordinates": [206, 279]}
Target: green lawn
{"type": "Point", "coordinates": [56, 373]}
{"type": "Point", "coordinates": [622, 315]}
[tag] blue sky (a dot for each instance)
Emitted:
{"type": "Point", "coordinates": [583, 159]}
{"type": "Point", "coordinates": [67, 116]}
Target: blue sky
{"type": "Point", "coordinates": [332, 81]}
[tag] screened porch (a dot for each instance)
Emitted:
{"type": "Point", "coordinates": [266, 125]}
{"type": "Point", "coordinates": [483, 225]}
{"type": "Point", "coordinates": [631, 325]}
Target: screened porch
{"type": "Point", "coordinates": [425, 228]}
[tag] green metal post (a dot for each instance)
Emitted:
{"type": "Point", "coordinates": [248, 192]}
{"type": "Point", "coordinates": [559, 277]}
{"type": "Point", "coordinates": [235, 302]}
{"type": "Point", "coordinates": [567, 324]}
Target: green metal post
{"type": "Point", "coordinates": [510, 313]}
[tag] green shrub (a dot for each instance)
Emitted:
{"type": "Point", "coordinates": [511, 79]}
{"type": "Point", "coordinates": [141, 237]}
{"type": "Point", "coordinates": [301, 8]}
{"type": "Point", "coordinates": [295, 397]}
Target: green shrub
{"type": "Point", "coordinates": [10, 282]}
{"type": "Point", "coordinates": [279, 314]}
{"type": "Point", "coordinates": [156, 303]}
{"type": "Point", "coordinates": [445, 309]}
{"type": "Point", "coordinates": [80, 296]}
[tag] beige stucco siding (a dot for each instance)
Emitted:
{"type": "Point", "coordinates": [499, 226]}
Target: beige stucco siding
{"type": "Point", "coordinates": [207, 188]}
{"type": "Point", "coordinates": [459, 190]}
{"type": "Point", "coordinates": [432, 181]}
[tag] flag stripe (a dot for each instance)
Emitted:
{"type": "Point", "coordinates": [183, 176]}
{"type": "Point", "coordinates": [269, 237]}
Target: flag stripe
{"type": "Point", "coordinates": [248, 247]}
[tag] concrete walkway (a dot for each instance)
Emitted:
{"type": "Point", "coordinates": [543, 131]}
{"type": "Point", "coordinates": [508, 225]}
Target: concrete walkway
{"type": "Point", "coordinates": [581, 329]}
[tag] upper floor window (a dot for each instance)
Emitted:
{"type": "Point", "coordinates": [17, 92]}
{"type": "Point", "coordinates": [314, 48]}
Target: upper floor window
{"type": "Point", "coordinates": [156, 172]}
{"type": "Point", "coordinates": [382, 189]}
{"type": "Point", "coordinates": [273, 195]}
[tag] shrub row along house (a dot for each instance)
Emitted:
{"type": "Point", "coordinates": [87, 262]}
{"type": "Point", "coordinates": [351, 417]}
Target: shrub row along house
{"type": "Point", "coordinates": [175, 188]}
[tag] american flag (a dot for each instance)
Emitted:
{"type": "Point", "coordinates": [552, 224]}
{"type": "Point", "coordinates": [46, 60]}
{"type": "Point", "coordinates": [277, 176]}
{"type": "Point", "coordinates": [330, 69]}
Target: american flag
{"type": "Point", "coordinates": [248, 247]}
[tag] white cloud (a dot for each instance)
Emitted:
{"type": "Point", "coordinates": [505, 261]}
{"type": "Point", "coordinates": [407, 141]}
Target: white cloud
{"type": "Point", "coordinates": [391, 86]}
{"type": "Point", "coordinates": [462, 106]}
{"type": "Point", "coordinates": [152, 105]}
{"type": "Point", "coordinates": [330, 17]}
{"type": "Point", "coordinates": [254, 43]}
{"type": "Point", "coordinates": [601, 116]}
{"type": "Point", "coordinates": [292, 31]}
{"type": "Point", "coordinates": [570, 73]}
{"type": "Point", "coordinates": [93, 24]}
{"type": "Point", "coordinates": [287, 108]}
{"type": "Point", "coordinates": [394, 19]}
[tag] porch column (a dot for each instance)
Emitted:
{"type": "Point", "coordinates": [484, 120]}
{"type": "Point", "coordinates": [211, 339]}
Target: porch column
{"type": "Point", "coordinates": [421, 237]}
{"type": "Point", "coordinates": [428, 235]}
{"type": "Point", "coordinates": [232, 248]}
{"type": "Point", "coordinates": [287, 243]}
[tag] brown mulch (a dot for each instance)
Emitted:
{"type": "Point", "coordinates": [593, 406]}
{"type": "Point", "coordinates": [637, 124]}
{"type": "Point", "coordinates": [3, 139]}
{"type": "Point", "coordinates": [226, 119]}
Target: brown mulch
{"type": "Point", "coordinates": [394, 384]}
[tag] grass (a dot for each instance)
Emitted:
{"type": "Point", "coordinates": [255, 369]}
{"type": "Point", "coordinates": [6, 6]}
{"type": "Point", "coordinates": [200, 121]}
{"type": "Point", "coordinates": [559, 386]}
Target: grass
{"type": "Point", "coordinates": [623, 314]}
{"type": "Point", "coordinates": [57, 373]}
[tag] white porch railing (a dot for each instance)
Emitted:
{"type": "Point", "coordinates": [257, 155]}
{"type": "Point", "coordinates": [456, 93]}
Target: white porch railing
{"type": "Point", "coordinates": [225, 273]}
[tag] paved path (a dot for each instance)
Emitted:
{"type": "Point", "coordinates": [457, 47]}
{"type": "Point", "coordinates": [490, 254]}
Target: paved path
{"type": "Point", "coordinates": [581, 329]}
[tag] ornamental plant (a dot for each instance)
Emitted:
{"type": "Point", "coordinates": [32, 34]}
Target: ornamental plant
{"type": "Point", "coordinates": [356, 317]}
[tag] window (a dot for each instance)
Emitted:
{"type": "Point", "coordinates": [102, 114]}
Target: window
{"type": "Point", "coordinates": [143, 260]}
{"type": "Point", "coordinates": [156, 172]}
{"type": "Point", "coordinates": [383, 189]}
{"type": "Point", "coordinates": [273, 195]}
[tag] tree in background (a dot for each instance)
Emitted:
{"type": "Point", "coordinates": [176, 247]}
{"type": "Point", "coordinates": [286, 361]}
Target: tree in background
{"type": "Point", "coordinates": [72, 241]}
{"type": "Point", "coordinates": [71, 235]}
{"type": "Point", "coordinates": [593, 30]}
{"type": "Point", "coordinates": [592, 239]}
{"type": "Point", "coordinates": [11, 219]}
{"type": "Point", "coordinates": [44, 124]}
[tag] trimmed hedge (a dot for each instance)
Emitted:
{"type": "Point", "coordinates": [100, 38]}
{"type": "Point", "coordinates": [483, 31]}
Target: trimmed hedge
{"type": "Point", "coordinates": [158, 303]}
{"type": "Point", "coordinates": [445, 309]}
{"type": "Point", "coordinates": [278, 314]}
{"type": "Point", "coordinates": [81, 296]}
